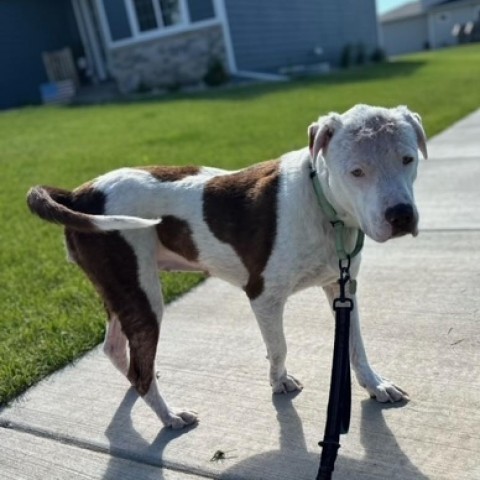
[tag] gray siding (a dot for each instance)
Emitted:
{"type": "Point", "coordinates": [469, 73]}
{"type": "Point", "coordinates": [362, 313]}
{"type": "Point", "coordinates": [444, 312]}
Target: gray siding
{"type": "Point", "coordinates": [444, 20]}
{"type": "Point", "coordinates": [268, 34]}
{"type": "Point", "coordinates": [348, 22]}
{"type": "Point", "coordinates": [404, 36]}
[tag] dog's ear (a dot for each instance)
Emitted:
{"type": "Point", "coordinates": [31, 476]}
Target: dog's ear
{"type": "Point", "coordinates": [415, 120]}
{"type": "Point", "coordinates": [321, 132]}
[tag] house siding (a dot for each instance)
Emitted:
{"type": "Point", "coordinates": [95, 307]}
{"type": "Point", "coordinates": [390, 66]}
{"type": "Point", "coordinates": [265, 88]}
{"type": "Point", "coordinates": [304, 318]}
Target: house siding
{"type": "Point", "coordinates": [267, 34]}
{"type": "Point", "coordinates": [433, 27]}
{"type": "Point", "coordinates": [404, 36]}
{"type": "Point", "coordinates": [444, 19]}
{"type": "Point", "coordinates": [28, 28]}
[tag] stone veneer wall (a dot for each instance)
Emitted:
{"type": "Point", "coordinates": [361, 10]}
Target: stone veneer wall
{"type": "Point", "coordinates": [167, 62]}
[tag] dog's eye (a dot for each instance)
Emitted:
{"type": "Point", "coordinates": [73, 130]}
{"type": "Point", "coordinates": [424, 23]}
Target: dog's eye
{"type": "Point", "coordinates": [407, 160]}
{"type": "Point", "coordinates": [358, 172]}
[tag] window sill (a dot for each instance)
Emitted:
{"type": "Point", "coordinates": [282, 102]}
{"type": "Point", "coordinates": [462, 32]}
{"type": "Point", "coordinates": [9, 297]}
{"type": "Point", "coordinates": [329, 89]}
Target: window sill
{"type": "Point", "coordinates": [165, 32]}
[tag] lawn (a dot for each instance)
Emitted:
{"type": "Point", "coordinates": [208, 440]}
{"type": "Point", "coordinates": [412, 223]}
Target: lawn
{"type": "Point", "coordinates": [50, 314]}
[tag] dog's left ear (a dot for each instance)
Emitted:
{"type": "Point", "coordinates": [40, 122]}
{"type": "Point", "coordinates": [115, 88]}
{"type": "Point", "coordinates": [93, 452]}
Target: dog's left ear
{"type": "Point", "coordinates": [415, 120]}
{"type": "Point", "coordinates": [321, 132]}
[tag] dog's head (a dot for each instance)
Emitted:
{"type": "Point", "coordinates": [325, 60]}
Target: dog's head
{"type": "Point", "coordinates": [370, 155]}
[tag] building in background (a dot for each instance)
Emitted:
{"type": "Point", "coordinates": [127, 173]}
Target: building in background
{"type": "Point", "coordinates": [427, 24]}
{"type": "Point", "coordinates": [145, 44]}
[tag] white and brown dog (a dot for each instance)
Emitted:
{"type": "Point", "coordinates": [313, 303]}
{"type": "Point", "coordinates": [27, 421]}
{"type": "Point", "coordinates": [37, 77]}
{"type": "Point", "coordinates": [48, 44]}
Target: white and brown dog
{"type": "Point", "coordinates": [259, 228]}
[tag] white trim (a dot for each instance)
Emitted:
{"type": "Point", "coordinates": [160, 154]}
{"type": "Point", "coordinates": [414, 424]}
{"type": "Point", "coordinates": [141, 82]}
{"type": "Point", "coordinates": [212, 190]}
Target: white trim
{"type": "Point", "coordinates": [185, 12]}
{"type": "Point", "coordinates": [132, 18]}
{"type": "Point", "coordinates": [165, 32]}
{"type": "Point", "coordinates": [97, 54]}
{"type": "Point", "coordinates": [138, 36]}
{"type": "Point", "coordinates": [83, 33]}
{"type": "Point", "coordinates": [158, 14]}
{"type": "Point", "coordinates": [102, 14]}
{"type": "Point", "coordinates": [380, 39]}
{"type": "Point", "coordinates": [267, 77]}
{"type": "Point", "coordinates": [431, 31]}
{"type": "Point", "coordinates": [221, 14]}
{"type": "Point", "coordinates": [89, 39]}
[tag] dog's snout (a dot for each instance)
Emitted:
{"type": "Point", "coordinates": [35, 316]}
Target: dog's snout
{"type": "Point", "coordinates": [402, 219]}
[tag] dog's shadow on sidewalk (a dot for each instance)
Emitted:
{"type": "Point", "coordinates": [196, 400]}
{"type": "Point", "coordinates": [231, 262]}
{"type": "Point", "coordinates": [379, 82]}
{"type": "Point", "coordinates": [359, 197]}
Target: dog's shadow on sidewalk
{"type": "Point", "coordinates": [127, 444]}
{"type": "Point", "coordinates": [383, 457]}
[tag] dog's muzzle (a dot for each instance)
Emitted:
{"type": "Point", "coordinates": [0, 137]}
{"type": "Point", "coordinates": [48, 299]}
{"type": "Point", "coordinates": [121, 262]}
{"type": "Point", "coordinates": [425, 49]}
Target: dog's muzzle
{"type": "Point", "coordinates": [402, 219]}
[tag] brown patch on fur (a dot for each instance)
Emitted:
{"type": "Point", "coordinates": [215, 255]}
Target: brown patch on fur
{"type": "Point", "coordinates": [176, 235]}
{"type": "Point", "coordinates": [111, 265]}
{"type": "Point", "coordinates": [171, 174]}
{"type": "Point", "coordinates": [71, 209]}
{"type": "Point", "coordinates": [241, 209]}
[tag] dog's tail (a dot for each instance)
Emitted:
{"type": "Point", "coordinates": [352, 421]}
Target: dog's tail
{"type": "Point", "coordinates": [81, 210]}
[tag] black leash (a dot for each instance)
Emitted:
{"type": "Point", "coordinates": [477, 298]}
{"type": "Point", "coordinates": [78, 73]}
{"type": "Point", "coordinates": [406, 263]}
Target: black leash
{"type": "Point", "coordinates": [340, 398]}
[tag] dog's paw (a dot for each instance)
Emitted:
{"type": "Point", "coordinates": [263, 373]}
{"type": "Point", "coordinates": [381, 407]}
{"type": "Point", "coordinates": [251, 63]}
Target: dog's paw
{"type": "Point", "coordinates": [286, 383]}
{"type": "Point", "coordinates": [384, 390]}
{"type": "Point", "coordinates": [181, 419]}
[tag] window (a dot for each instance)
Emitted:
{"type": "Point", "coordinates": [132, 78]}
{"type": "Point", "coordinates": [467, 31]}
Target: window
{"type": "Point", "coordinates": [131, 20]}
{"type": "Point", "coordinates": [145, 13]}
{"type": "Point", "coordinates": [170, 12]}
{"type": "Point", "coordinates": [117, 17]}
{"type": "Point", "coordinates": [154, 14]}
{"type": "Point", "coordinates": [200, 10]}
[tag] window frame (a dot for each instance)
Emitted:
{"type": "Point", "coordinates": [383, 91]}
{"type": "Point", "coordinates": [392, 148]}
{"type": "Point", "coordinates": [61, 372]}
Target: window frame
{"type": "Point", "coordinates": [137, 36]}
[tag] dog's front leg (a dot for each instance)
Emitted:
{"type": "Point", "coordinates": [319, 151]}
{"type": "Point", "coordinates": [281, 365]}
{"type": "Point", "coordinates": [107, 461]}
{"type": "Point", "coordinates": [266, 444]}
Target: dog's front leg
{"type": "Point", "coordinates": [378, 387]}
{"type": "Point", "coordinates": [269, 314]}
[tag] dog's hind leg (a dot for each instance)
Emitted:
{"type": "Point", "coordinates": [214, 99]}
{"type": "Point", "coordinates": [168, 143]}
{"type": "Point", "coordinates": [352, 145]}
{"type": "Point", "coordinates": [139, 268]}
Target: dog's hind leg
{"type": "Point", "coordinates": [143, 329]}
{"type": "Point", "coordinates": [269, 315]}
{"type": "Point", "coordinates": [122, 267]}
{"type": "Point", "coordinates": [115, 345]}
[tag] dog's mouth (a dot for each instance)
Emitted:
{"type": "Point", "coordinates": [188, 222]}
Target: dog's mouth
{"type": "Point", "coordinates": [402, 230]}
{"type": "Point", "coordinates": [396, 233]}
{"type": "Point", "coordinates": [402, 233]}
{"type": "Point", "coordinates": [389, 233]}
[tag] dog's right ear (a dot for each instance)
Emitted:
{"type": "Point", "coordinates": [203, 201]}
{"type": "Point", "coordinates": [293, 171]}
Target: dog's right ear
{"type": "Point", "coordinates": [321, 132]}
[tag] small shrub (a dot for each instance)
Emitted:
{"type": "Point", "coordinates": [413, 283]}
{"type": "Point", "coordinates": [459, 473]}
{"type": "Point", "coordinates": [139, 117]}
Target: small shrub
{"type": "Point", "coordinates": [360, 55]}
{"type": "Point", "coordinates": [216, 73]}
{"type": "Point", "coordinates": [346, 56]}
{"type": "Point", "coordinates": [378, 55]}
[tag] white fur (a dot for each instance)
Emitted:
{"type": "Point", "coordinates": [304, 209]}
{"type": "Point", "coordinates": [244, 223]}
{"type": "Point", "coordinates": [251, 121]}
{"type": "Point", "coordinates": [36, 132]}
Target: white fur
{"type": "Point", "coordinates": [304, 249]}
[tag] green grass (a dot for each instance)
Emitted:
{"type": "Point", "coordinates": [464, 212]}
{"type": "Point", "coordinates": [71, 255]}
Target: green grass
{"type": "Point", "coordinates": [50, 314]}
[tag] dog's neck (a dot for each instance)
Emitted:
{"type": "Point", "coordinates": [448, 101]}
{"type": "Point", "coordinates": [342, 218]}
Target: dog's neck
{"type": "Point", "coordinates": [347, 217]}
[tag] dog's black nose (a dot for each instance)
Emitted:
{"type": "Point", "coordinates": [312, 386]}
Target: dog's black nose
{"type": "Point", "coordinates": [402, 219]}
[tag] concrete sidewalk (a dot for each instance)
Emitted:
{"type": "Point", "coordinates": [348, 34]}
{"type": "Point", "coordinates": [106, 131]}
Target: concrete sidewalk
{"type": "Point", "coordinates": [420, 303]}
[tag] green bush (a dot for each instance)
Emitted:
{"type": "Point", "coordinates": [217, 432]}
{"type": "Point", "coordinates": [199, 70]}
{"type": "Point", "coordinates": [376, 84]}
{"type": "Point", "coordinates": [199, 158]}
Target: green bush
{"type": "Point", "coordinates": [216, 73]}
{"type": "Point", "coordinates": [378, 55]}
{"type": "Point", "coordinates": [346, 57]}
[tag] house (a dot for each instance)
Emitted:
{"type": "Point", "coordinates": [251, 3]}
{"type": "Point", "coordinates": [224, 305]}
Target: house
{"type": "Point", "coordinates": [426, 24]}
{"type": "Point", "coordinates": [143, 44]}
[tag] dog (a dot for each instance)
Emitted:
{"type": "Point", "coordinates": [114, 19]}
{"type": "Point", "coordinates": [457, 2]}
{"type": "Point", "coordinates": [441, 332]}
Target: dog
{"type": "Point", "coordinates": [259, 228]}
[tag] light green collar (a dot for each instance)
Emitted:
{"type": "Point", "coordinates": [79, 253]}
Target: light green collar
{"type": "Point", "coordinates": [338, 225]}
